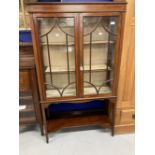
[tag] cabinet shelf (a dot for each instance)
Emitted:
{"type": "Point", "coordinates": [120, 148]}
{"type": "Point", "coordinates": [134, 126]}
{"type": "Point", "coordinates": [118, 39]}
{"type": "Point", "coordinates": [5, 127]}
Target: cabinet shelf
{"type": "Point", "coordinates": [59, 69]}
{"type": "Point", "coordinates": [27, 120]}
{"type": "Point", "coordinates": [29, 108]}
{"type": "Point", "coordinates": [72, 43]}
{"type": "Point", "coordinates": [98, 67]}
{"type": "Point", "coordinates": [93, 118]}
{"type": "Point", "coordinates": [25, 97]}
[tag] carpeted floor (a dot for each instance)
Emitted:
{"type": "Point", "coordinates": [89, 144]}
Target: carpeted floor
{"type": "Point", "coordinates": [76, 141]}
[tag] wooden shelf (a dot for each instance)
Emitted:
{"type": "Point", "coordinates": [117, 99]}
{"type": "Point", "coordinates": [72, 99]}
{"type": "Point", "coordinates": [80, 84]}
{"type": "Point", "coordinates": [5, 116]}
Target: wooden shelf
{"type": "Point", "coordinates": [27, 109]}
{"type": "Point", "coordinates": [25, 44]}
{"type": "Point", "coordinates": [94, 118]}
{"type": "Point", "coordinates": [72, 43]}
{"type": "Point", "coordinates": [25, 97]}
{"type": "Point", "coordinates": [98, 67]}
{"type": "Point", "coordinates": [27, 120]}
{"type": "Point", "coordinates": [59, 69]}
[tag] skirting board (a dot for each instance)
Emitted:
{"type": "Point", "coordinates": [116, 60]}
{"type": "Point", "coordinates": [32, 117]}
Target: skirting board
{"type": "Point", "coordinates": [124, 129]}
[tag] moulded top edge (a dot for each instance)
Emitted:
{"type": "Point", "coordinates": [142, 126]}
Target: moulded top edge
{"type": "Point", "coordinates": [72, 7]}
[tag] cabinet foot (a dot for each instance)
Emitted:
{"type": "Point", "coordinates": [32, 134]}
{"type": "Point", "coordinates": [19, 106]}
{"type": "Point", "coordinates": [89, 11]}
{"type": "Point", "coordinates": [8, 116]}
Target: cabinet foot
{"type": "Point", "coordinates": [47, 139]}
{"type": "Point", "coordinates": [112, 132]}
{"type": "Point", "coordinates": [42, 131]}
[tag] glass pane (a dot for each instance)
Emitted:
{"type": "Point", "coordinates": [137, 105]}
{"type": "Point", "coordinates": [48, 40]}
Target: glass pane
{"type": "Point", "coordinates": [99, 43]}
{"type": "Point", "coordinates": [58, 53]}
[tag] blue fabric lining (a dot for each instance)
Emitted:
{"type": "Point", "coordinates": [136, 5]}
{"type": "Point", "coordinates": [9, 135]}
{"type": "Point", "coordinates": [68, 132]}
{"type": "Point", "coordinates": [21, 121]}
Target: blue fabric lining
{"type": "Point", "coordinates": [67, 107]}
{"type": "Point", "coordinates": [25, 36]}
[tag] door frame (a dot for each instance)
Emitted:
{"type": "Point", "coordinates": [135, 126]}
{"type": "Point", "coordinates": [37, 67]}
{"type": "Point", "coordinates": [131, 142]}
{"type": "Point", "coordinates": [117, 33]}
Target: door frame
{"type": "Point", "coordinates": [38, 55]}
{"type": "Point", "coordinates": [117, 51]}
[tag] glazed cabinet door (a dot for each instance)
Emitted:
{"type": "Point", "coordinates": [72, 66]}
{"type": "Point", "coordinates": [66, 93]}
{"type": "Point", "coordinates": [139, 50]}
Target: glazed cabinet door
{"type": "Point", "coordinates": [99, 45]}
{"type": "Point", "coordinates": [56, 54]}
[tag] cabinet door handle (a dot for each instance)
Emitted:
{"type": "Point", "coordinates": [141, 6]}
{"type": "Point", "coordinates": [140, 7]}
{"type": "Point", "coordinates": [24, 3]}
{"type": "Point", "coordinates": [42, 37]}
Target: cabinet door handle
{"type": "Point", "coordinates": [133, 116]}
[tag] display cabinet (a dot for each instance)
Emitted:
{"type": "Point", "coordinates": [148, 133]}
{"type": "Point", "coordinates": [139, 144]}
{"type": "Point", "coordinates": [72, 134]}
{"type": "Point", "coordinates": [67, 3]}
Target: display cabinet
{"type": "Point", "coordinates": [77, 50]}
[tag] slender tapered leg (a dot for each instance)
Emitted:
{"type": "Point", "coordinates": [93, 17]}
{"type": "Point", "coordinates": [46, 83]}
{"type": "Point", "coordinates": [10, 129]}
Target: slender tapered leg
{"type": "Point", "coordinates": [42, 130]}
{"type": "Point", "coordinates": [44, 123]}
{"type": "Point", "coordinates": [113, 118]}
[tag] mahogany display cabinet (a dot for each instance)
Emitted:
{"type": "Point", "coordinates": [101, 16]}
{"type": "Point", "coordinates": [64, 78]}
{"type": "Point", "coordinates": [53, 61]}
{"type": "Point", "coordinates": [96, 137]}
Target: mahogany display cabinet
{"type": "Point", "coordinates": [77, 49]}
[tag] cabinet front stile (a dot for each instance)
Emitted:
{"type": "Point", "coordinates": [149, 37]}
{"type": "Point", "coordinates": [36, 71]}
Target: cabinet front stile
{"type": "Point", "coordinates": [37, 56]}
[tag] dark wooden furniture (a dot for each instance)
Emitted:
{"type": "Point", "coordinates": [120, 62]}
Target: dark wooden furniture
{"type": "Point", "coordinates": [77, 49]}
{"type": "Point", "coordinates": [30, 111]}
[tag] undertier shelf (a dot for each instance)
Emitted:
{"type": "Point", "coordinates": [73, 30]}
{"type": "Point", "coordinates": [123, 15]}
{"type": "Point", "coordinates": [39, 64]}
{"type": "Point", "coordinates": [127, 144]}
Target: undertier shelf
{"type": "Point", "coordinates": [72, 91]}
{"type": "Point", "coordinates": [76, 120]}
